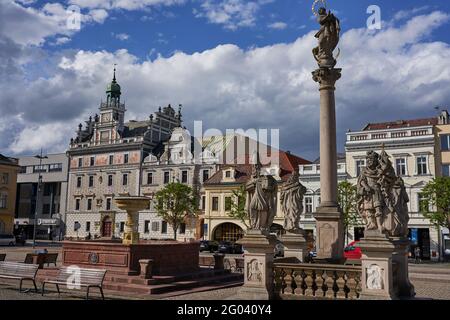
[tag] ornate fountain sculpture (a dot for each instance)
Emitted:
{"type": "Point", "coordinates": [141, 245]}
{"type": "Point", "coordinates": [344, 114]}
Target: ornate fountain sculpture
{"type": "Point", "coordinates": [132, 205]}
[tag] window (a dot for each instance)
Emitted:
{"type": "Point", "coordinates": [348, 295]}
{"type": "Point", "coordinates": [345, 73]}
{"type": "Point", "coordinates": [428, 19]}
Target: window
{"type": "Point", "coordinates": [422, 203]}
{"type": "Point", "coordinates": [203, 202]}
{"type": "Point", "coordinates": [88, 226]}
{"type": "Point", "coordinates": [92, 161]}
{"type": "Point", "coordinates": [205, 175]}
{"type": "Point", "coordinates": [360, 164]}
{"type": "Point", "coordinates": [80, 162]}
{"type": "Point", "coordinates": [41, 168]}
{"type": "Point", "coordinates": [308, 205]}
{"type": "Point", "coordinates": [108, 204]}
{"type": "Point", "coordinates": [150, 178]}
{"type": "Point", "coordinates": [125, 179]}
{"type": "Point", "coordinates": [89, 204]}
{"type": "Point", "coordinates": [76, 226]}
{"type": "Point", "coordinates": [48, 189]}
{"type": "Point", "coordinates": [110, 180]}
{"type": "Point", "coordinates": [111, 159]}
{"type": "Point", "coordinates": [46, 208]}
{"type": "Point", "coordinates": [215, 204]}
{"type": "Point", "coordinates": [227, 203]}
{"type": "Point", "coordinates": [183, 228]}
{"type": "Point", "coordinates": [4, 178]}
{"type": "Point", "coordinates": [55, 167]}
{"type": "Point", "coordinates": [146, 225]}
{"type": "Point", "coordinates": [91, 181]}
{"type": "Point", "coordinates": [125, 158]}
{"type": "Point", "coordinates": [79, 179]}
{"type": "Point", "coordinates": [155, 226]}
{"type": "Point", "coordinates": [166, 177]}
{"type": "Point", "coordinates": [445, 142]}
{"type": "Point", "coordinates": [421, 165]}
{"type": "Point", "coordinates": [446, 170]}
{"type": "Point", "coordinates": [228, 174]}
{"type": "Point", "coordinates": [3, 200]}
{"type": "Point", "coordinates": [184, 176]}
{"type": "Point", "coordinates": [400, 165]}
{"type": "Point", "coordinates": [122, 227]}
{"type": "Point", "coordinates": [23, 169]}
{"type": "Point", "coordinates": [164, 227]}
{"type": "Point", "coordinates": [77, 204]}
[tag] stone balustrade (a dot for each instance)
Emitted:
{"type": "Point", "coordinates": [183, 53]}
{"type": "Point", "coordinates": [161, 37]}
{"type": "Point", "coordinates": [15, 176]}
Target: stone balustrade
{"type": "Point", "coordinates": [316, 281]}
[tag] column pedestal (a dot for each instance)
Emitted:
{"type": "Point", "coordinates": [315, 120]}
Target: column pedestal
{"type": "Point", "coordinates": [401, 274]}
{"type": "Point", "coordinates": [377, 267]}
{"type": "Point", "coordinates": [330, 230]}
{"type": "Point", "coordinates": [295, 246]}
{"type": "Point", "coordinates": [258, 266]}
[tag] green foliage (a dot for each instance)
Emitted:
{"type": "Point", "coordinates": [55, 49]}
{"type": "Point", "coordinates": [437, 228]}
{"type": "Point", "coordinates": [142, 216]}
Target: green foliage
{"type": "Point", "coordinates": [238, 207]}
{"type": "Point", "coordinates": [436, 202]}
{"type": "Point", "coordinates": [174, 203]}
{"type": "Point", "coordinates": [348, 201]}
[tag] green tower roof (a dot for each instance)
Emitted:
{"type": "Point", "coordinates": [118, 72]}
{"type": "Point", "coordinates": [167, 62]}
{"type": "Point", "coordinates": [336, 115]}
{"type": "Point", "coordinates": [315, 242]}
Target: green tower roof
{"type": "Point", "coordinates": [113, 87]}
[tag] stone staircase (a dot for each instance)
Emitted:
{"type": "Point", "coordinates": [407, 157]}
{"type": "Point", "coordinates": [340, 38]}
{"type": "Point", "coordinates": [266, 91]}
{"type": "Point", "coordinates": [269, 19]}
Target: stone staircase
{"type": "Point", "coordinates": [134, 286]}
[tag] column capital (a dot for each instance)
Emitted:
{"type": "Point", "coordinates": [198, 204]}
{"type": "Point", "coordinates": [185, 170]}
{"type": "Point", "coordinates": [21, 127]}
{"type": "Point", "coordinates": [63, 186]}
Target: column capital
{"type": "Point", "coordinates": [327, 77]}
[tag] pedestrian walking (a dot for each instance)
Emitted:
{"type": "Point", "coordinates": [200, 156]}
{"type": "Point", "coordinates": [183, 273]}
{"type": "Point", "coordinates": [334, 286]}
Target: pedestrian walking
{"type": "Point", "coordinates": [417, 255]}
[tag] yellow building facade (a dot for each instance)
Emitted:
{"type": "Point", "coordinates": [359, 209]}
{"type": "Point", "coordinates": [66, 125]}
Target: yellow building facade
{"type": "Point", "coordinates": [8, 188]}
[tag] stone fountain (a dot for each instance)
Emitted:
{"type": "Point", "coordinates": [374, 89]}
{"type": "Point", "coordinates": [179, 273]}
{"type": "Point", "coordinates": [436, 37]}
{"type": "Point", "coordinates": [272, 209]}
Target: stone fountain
{"type": "Point", "coordinates": [125, 256]}
{"type": "Point", "coordinates": [132, 205]}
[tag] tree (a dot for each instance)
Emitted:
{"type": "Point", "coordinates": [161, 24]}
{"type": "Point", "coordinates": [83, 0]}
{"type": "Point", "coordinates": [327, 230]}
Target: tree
{"type": "Point", "coordinates": [174, 203]}
{"type": "Point", "coordinates": [436, 202]}
{"type": "Point", "coordinates": [238, 210]}
{"type": "Point", "coordinates": [348, 201]}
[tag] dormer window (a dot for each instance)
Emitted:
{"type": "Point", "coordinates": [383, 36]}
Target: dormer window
{"type": "Point", "coordinates": [228, 174]}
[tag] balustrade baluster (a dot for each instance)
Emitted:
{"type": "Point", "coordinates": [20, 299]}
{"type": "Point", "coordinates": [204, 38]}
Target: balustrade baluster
{"type": "Point", "coordinates": [314, 284]}
{"type": "Point", "coordinates": [293, 281]}
{"type": "Point", "coordinates": [335, 285]}
{"type": "Point", "coordinates": [304, 285]}
{"type": "Point", "coordinates": [324, 287]}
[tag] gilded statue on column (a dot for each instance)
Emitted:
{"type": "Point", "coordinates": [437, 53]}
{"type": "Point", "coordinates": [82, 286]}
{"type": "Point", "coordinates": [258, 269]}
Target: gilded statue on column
{"type": "Point", "coordinates": [328, 36]}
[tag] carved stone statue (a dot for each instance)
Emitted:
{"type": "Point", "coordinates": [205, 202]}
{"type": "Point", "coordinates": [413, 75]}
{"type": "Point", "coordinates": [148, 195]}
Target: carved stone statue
{"type": "Point", "coordinates": [383, 203]}
{"type": "Point", "coordinates": [328, 37]}
{"type": "Point", "coordinates": [261, 199]}
{"type": "Point", "coordinates": [291, 198]}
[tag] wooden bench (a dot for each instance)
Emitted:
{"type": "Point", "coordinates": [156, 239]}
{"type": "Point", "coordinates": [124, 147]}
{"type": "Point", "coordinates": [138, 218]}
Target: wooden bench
{"type": "Point", "coordinates": [88, 278]}
{"type": "Point", "coordinates": [19, 271]}
{"type": "Point", "coordinates": [2, 256]}
{"type": "Point", "coordinates": [51, 258]}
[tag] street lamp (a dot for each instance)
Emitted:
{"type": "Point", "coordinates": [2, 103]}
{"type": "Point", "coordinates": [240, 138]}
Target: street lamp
{"type": "Point", "coordinates": [40, 157]}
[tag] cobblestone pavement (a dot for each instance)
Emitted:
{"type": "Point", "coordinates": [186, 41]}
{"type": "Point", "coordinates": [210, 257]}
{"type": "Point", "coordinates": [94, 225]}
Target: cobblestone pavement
{"type": "Point", "coordinates": [431, 281]}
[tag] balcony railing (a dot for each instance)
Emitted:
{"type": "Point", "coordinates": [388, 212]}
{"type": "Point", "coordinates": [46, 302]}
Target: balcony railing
{"type": "Point", "coordinates": [316, 281]}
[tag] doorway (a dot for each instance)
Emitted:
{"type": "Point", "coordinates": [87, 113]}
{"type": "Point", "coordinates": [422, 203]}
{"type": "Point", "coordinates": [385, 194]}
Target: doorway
{"type": "Point", "coordinates": [107, 227]}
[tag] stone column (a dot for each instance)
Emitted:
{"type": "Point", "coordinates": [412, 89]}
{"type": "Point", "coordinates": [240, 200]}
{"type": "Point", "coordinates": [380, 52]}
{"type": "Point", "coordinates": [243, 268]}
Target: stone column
{"type": "Point", "coordinates": [131, 234]}
{"type": "Point", "coordinates": [258, 266]}
{"type": "Point", "coordinates": [377, 267]}
{"type": "Point", "coordinates": [329, 227]}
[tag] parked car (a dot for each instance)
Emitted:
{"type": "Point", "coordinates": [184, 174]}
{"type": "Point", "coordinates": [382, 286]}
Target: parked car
{"type": "Point", "coordinates": [207, 245]}
{"type": "Point", "coordinates": [352, 251]}
{"type": "Point", "coordinates": [279, 249]}
{"type": "Point", "coordinates": [230, 247]}
{"type": "Point", "coordinates": [7, 240]}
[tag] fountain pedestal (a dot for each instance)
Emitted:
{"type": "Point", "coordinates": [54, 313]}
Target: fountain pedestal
{"type": "Point", "coordinates": [132, 205]}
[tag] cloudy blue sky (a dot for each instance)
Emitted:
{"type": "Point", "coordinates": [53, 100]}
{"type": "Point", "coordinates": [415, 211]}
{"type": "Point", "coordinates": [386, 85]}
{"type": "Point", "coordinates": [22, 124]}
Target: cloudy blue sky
{"type": "Point", "coordinates": [231, 63]}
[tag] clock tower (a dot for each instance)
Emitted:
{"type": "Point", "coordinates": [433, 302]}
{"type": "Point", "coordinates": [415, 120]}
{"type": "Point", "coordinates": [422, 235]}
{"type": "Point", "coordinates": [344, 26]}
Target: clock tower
{"type": "Point", "coordinates": [112, 113]}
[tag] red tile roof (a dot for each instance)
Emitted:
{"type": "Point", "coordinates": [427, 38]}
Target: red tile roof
{"type": "Point", "coordinates": [401, 124]}
{"type": "Point", "coordinates": [243, 167]}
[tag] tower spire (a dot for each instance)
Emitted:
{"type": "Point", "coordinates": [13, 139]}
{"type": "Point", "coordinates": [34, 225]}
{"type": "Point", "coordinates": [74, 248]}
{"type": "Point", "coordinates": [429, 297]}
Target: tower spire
{"type": "Point", "coordinates": [114, 77]}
